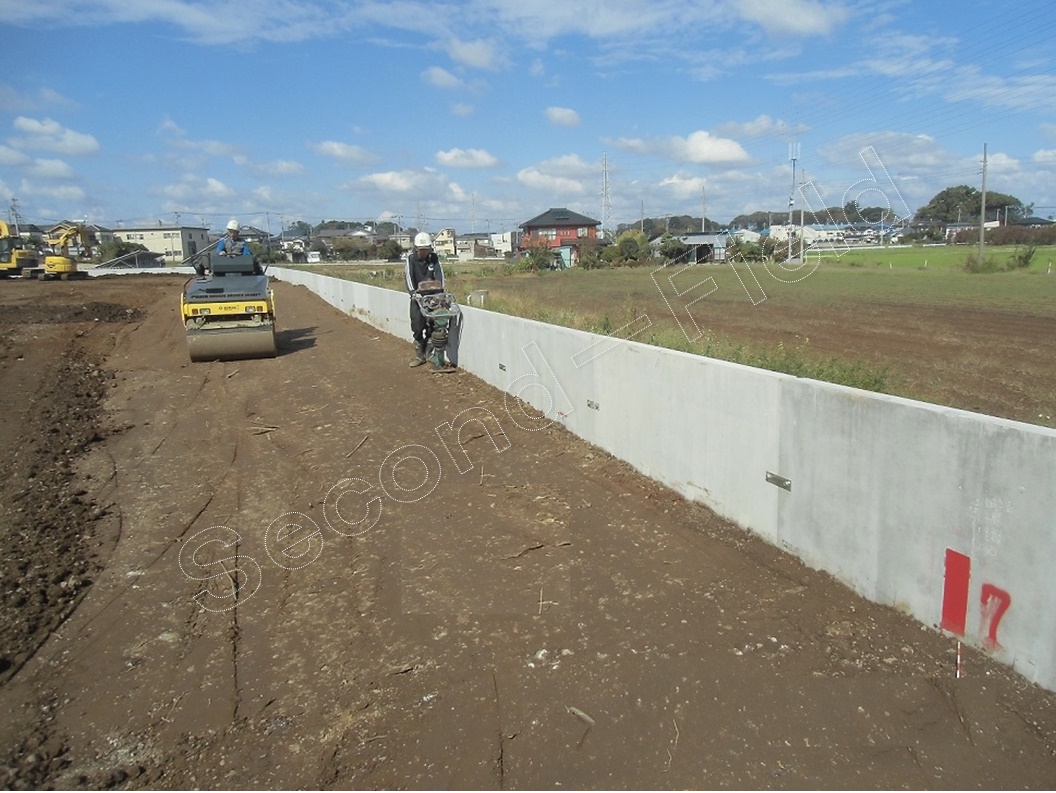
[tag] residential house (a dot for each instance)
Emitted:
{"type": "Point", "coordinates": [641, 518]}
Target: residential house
{"type": "Point", "coordinates": [704, 248]}
{"type": "Point", "coordinates": [562, 230]}
{"type": "Point", "coordinates": [444, 243]}
{"type": "Point", "coordinates": [558, 227]}
{"type": "Point", "coordinates": [475, 245]}
{"type": "Point", "coordinates": [175, 243]}
{"type": "Point", "coordinates": [505, 242]}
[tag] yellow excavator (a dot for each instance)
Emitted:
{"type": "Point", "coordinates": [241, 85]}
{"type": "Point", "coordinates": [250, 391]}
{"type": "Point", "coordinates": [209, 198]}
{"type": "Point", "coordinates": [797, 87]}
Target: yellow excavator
{"type": "Point", "coordinates": [60, 264]}
{"type": "Point", "coordinates": [16, 259]}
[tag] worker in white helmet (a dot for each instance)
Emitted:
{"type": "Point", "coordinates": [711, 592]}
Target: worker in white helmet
{"type": "Point", "coordinates": [232, 244]}
{"type": "Point", "coordinates": [422, 265]}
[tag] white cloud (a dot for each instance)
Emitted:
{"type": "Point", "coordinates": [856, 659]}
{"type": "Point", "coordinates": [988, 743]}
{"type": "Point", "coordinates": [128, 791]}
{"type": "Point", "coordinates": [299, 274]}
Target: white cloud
{"type": "Point", "coordinates": [1031, 92]}
{"type": "Point", "coordinates": [536, 180]}
{"type": "Point", "coordinates": [440, 78]}
{"type": "Point", "coordinates": [50, 169]}
{"type": "Point", "coordinates": [15, 101]}
{"type": "Point", "coordinates": [216, 148]}
{"type": "Point", "coordinates": [897, 151]}
{"type": "Point", "coordinates": [702, 147]}
{"type": "Point", "coordinates": [192, 188]}
{"type": "Point", "coordinates": [761, 125]}
{"type": "Point", "coordinates": [50, 135]}
{"type": "Point", "coordinates": [424, 182]}
{"type": "Point", "coordinates": [467, 158]}
{"type": "Point", "coordinates": [213, 148]}
{"type": "Point", "coordinates": [346, 152]}
{"type": "Point", "coordinates": [12, 157]}
{"type": "Point", "coordinates": [462, 109]}
{"type": "Point", "coordinates": [217, 189]}
{"type": "Point", "coordinates": [795, 17]}
{"type": "Point", "coordinates": [999, 162]}
{"type": "Point", "coordinates": [170, 127]}
{"type": "Point", "coordinates": [699, 147]}
{"type": "Point", "coordinates": [1045, 156]}
{"type": "Point", "coordinates": [285, 167]}
{"type": "Point", "coordinates": [479, 54]}
{"type": "Point", "coordinates": [562, 116]}
{"type": "Point", "coordinates": [68, 193]}
{"type": "Point", "coordinates": [684, 187]}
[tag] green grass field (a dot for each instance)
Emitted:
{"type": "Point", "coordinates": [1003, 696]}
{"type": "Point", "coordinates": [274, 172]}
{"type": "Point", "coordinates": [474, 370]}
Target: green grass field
{"type": "Point", "coordinates": [913, 276]}
{"type": "Point", "coordinates": [867, 319]}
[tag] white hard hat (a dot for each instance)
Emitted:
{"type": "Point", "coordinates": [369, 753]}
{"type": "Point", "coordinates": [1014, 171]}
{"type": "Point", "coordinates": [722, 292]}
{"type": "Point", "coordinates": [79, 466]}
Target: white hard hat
{"type": "Point", "coordinates": [233, 225]}
{"type": "Point", "coordinates": [423, 240]}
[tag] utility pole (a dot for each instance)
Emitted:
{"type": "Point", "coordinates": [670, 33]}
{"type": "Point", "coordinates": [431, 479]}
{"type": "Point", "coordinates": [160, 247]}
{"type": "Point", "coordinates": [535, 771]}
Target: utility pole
{"type": "Point", "coordinates": [641, 219]}
{"type": "Point", "coordinates": [606, 199]}
{"type": "Point", "coordinates": [15, 218]}
{"type": "Point", "coordinates": [802, 223]}
{"type": "Point", "coordinates": [982, 212]}
{"type": "Point", "coordinates": [703, 211]}
{"type": "Point", "coordinates": [793, 155]}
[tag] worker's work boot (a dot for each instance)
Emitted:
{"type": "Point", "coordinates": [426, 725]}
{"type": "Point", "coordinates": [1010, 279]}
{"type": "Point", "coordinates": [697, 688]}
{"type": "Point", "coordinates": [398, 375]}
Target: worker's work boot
{"type": "Point", "coordinates": [419, 354]}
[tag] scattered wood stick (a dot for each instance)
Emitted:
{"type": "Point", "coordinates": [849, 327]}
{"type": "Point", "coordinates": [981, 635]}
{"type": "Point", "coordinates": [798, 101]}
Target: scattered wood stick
{"type": "Point", "coordinates": [580, 715]}
{"type": "Point", "coordinates": [526, 550]}
{"type": "Point", "coordinates": [357, 446]}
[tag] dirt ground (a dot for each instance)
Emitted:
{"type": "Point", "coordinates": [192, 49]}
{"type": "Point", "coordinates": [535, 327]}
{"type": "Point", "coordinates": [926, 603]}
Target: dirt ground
{"type": "Point", "coordinates": [200, 591]}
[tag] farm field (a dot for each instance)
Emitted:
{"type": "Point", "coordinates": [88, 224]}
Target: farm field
{"type": "Point", "coordinates": [908, 321]}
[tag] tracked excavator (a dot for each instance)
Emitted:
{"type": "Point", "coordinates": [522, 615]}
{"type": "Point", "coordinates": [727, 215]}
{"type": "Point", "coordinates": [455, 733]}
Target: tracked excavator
{"type": "Point", "coordinates": [16, 259]}
{"type": "Point", "coordinates": [228, 309]}
{"type": "Point", "coordinates": [61, 264]}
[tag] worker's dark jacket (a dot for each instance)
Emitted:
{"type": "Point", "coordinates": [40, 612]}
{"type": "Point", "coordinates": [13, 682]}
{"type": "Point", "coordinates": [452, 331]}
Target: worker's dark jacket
{"type": "Point", "coordinates": [417, 270]}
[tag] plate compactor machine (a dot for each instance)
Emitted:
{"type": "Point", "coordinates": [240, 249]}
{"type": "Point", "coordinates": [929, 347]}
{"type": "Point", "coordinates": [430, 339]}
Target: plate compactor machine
{"type": "Point", "coordinates": [442, 316]}
{"type": "Point", "coordinates": [228, 310]}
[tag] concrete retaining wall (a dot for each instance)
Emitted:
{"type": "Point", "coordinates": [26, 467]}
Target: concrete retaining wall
{"type": "Point", "coordinates": [947, 515]}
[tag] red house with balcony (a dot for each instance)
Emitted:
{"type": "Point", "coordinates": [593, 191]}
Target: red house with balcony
{"type": "Point", "coordinates": [559, 228]}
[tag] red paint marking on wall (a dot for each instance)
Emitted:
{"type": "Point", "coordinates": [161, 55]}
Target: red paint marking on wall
{"type": "Point", "coordinates": [955, 592]}
{"type": "Point", "coordinates": [995, 603]}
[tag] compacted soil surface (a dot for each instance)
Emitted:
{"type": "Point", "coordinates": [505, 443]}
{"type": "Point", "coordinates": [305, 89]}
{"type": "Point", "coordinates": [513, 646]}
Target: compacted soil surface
{"type": "Point", "coordinates": [273, 574]}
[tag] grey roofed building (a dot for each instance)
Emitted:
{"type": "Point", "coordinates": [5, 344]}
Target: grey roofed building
{"type": "Point", "coordinates": [558, 216]}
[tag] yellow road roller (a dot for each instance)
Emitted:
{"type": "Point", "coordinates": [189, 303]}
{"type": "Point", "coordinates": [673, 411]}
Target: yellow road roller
{"type": "Point", "coordinates": [228, 310]}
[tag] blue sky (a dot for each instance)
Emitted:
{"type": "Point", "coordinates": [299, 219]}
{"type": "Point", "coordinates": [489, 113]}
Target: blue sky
{"type": "Point", "coordinates": [481, 114]}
